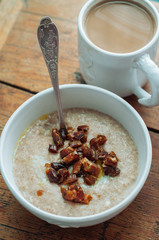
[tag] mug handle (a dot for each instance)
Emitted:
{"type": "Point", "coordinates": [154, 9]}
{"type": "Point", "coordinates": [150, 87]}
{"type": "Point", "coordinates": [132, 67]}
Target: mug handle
{"type": "Point", "coordinates": [151, 70]}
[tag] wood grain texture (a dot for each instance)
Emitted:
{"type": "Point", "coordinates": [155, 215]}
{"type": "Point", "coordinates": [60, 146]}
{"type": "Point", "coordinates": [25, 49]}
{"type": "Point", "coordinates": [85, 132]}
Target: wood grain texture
{"type": "Point", "coordinates": [10, 99]}
{"type": "Point", "coordinates": [9, 11]}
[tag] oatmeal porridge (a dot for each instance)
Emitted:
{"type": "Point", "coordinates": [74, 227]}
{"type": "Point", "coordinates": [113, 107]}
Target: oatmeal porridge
{"type": "Point", "coordinates": [36, 157]}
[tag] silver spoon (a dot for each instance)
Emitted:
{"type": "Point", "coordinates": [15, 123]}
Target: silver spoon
{"type": "Point", "coordinates": [48, 38]}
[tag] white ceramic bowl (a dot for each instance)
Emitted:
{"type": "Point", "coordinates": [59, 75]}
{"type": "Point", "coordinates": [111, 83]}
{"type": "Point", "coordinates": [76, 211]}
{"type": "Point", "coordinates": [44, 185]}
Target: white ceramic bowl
{"type": "Point", "coordinates": [85, 96]}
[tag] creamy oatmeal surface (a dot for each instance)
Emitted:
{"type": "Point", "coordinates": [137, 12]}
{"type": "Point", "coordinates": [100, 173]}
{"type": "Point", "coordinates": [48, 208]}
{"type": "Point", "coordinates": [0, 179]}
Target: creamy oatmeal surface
{"type": "Point", "coordinates": [31, 154]}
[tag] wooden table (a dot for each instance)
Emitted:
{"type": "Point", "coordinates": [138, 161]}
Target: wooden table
{"type": "Point", "coordinates": [22, 74]}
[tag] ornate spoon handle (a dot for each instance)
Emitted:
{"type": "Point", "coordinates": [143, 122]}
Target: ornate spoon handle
{"type": "Point", "coordinates": [48, 38]}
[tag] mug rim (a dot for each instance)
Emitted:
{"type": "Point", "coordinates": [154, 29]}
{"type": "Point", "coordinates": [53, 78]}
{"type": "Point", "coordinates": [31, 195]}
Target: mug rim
{"type": "Point", "coordinates": [120, 206]}
{"type": "Point", "coordinates": [91, 3]}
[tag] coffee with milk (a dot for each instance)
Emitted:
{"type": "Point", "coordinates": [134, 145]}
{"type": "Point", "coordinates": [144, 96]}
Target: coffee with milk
{"type": "Point", "coordinates": [119, 26]}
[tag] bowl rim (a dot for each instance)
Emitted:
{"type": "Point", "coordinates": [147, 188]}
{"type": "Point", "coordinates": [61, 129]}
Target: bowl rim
{"type": "Point", "coordinates": [90, 218]}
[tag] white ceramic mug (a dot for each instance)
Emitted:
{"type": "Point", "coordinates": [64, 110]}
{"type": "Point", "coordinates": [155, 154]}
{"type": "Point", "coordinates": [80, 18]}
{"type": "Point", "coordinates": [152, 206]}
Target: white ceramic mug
{"type": "Point", "coordinates": [123, 74]}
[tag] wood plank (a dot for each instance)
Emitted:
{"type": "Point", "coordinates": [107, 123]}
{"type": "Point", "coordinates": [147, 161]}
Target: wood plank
{"type": "Point", "coordinates": [66, 10]}
{"type": "Point", "coordinates": [9, 11]}
{"type": "Point", "coordinates": [21, 60]}
{"type": "Point", "coordinates": [139, 221]}
{"type": "Point", "coordinates": [10, 100]}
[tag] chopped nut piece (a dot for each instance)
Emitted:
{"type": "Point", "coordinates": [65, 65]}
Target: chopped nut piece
{"type": "Point", "coordinates": [110, 171]}
{"type": "Point", "coordinates": [53, 148]}
{"type": "Point", "coordinates": [71, 157]}
{"type": "Point", "coordinates": [75, 193]}
{"type": "Point", "coordinates": [83, 128]}
{"type": "Point", "coordinates": [58, 141]}
{"type": "Point", "coordinates": [64, 152]}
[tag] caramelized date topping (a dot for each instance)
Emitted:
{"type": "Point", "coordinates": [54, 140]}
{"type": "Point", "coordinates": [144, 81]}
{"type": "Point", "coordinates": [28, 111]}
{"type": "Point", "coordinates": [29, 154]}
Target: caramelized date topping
{"type": "Point", "coordinates": [52, 175]}
{"type": "Point", "coordinates": [110, 171]}
{"type": "Point", "coordinates": [75, 144]}
{"type": "Point", "coordinates": [56, 173]}
{"type": "Point", "coordinates": [86, 161]}
{"type": "Point", "coordinates": [71, 157]}
{"type": "Point", "coordinates": [62, 174]}
{"type": "Point", "coordinates": [58, 165]}
{"type": "Point", "coordinates": [83, 128]}
{"type": "Point", "coordinates": [58, 141]}
{"type": "Point", "coordinates": [64, 152]}
{"type": "Point", "coordinates": [90, 167]}
{"type": "Point", "coordinates": [53, 148]}
{"type": "Point", "coordinates": [71, 179]}
{"type": "Point", "coordinates": [75, 193]}
{"type": "Point", "coordinates": [84, 139]}
{"type": "Point", "coordinates": [97, 142]}
{"type": "Point", "coordinates": [102, 155]}
{"type": "Point", "coordinates": [70, 134]}
{"type": "Point", "coordinates": [90, 153]}
{"type": "Point", "coordinates": [70, 137]}
{"type": "Point", "coordinates": [89, 179]}
{"type": "Point", "coordinates": [111, 160]}
{"type": "Point", "coordinates": [77, 168]}
{"type": "Point", "coordinates": [63, 133]}
{"type": "Point", "coordinates": [78, 135]}
{"type": "Point", "coordinates": [70, 130]}
{"type": "Point", "coordinates": [101, 139]}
